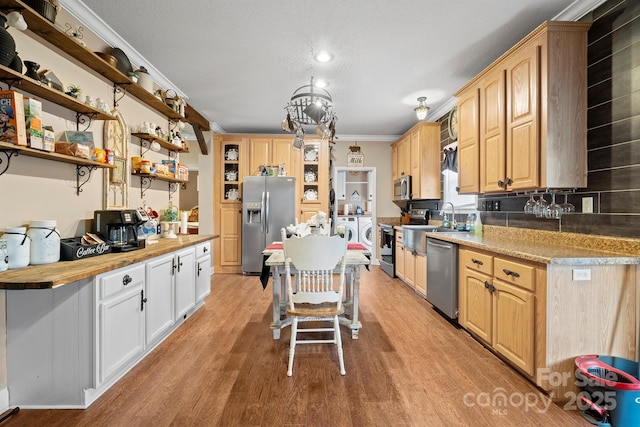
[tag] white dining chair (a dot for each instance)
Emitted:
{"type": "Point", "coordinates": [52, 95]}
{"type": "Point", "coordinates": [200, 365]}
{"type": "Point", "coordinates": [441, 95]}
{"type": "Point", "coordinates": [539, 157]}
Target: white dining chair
{"type": "Point", "coordinates": [314, 296]}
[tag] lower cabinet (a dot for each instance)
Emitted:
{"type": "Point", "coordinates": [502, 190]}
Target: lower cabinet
{"type": "Point", "coordinates": [66, 346]}
{"type": "Point", "coordinates": [421, 274]}
{"type": "Point", "coordinates": [185, 281]}
{"type": "Point", "coordinates": [399, 261]}
{"type": "Point", "coordinates": [497, 305]}
{"type": "Point", "coordinates": [203, 270]}
{"type": "Point", "coordinates": [120, 319]}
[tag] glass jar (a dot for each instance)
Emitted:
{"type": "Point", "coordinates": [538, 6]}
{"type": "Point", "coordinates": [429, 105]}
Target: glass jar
{"type": "Point", "coordinates": [18, 246]}
{"type": "Point", "coordinates": [45, 242]}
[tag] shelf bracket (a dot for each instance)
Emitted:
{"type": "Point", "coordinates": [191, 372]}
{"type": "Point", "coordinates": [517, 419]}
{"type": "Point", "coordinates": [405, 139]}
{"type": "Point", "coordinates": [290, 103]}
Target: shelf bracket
{"type": "Point", "coordinates": [119, 91]}
{"type": "Point", "coordinates": [81, 172]}
{"type": "Point", "coordinates": [173, 187]}
{"type": "Point", "coordinates": [7, 154]}
{"type": "Point", "coordinates": [144, 147]}
{"type": "Point", "coordinates": [11, 82]}
{"type": "Point", "coordinates": [81, 120]}
{"type": "Point", "coordinates": [145, 184]}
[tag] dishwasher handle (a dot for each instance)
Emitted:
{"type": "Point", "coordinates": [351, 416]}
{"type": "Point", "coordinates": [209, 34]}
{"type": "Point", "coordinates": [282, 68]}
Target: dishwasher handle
{"type": "Point", "coordinates": [439, 244]}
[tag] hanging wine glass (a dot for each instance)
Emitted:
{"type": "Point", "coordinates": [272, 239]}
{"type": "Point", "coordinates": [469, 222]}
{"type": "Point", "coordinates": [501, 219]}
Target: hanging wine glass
{"type": "Point", "coordinates": [554, 210]}
{"type": "Point", "coordinates": [567, 208]}
{"type": "Point", "coordinates": [540, 207]}
{"type": "Point", "coordinates": [530, 205]}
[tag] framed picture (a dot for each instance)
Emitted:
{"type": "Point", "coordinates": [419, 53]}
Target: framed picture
{"type": "Point", "coordinates": [117, 174]}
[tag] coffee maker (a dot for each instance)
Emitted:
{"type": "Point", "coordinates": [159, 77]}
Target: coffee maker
{"type": "Point", "coordinates": [120, 227]}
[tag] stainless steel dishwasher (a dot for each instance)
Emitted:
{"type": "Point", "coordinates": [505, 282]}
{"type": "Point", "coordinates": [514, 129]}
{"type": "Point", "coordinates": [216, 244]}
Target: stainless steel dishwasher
{"type": "Point", "coordinates": [442, 277]}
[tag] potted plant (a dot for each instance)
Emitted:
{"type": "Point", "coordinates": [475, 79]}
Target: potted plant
{"type": "Point", "coordinates": [74, 91]}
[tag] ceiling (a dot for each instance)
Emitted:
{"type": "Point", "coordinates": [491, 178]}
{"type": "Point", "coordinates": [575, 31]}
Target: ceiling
{"type": "Point", "coordinates": [239, 61]}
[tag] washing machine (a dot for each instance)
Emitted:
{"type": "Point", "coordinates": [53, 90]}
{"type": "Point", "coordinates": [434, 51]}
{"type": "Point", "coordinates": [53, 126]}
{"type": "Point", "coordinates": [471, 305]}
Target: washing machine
{"type": "Point", "coordinates": [365, 231]}
{"type": "Point", "coordinates": [351, 227]}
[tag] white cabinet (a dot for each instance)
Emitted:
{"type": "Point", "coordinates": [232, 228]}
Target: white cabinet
{"type": "Point", "coordinates": [203, 270]}
{"type": "Point", "coordinates": [120, 319]}
{"type": "Point", "coordinates": [160, 297]}
{"type": "Point", "coordinates": [185, 281]}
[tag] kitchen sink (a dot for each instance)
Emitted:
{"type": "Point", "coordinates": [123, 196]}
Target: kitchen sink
{"type": "Point", "coordinates": [414, 237]}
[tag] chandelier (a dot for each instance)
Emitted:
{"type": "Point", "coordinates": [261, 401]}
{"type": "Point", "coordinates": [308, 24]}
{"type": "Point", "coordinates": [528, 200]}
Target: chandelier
{"type": "Point", "coordinates": [421, 110]}
{"type": "Point", "coordinates": [310, 106]}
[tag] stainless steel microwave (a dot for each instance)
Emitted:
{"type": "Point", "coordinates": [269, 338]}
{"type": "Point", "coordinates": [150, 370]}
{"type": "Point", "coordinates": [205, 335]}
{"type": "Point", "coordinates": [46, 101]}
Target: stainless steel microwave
{"type": "Point", "coordinates": [402, 188]}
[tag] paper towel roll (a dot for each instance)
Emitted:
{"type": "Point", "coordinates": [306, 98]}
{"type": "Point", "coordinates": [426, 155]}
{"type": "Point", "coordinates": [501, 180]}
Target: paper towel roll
{"type": "Point", "coordinates": [183, 222]}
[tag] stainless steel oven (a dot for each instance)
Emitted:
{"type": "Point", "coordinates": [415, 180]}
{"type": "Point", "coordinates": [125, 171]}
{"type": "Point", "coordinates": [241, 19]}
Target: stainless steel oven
{"type": "Point", "coordinates": [387, 249]}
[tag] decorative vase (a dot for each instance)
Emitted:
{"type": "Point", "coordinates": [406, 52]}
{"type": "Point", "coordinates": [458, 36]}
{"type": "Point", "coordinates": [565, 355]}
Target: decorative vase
{"type": "Point", "coordinates": [16, 63]}
{"type": "Point", "coordinates": [7, 44]}
{"type": "Point", "coordinates": [32, 69]}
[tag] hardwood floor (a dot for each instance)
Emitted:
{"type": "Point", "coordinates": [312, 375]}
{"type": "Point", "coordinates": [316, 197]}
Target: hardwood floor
{"type": "Point", "coordinates": [222, 368]}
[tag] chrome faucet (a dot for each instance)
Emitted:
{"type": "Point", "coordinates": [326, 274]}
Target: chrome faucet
{"type": "Point", "coordinates": [453, 222]}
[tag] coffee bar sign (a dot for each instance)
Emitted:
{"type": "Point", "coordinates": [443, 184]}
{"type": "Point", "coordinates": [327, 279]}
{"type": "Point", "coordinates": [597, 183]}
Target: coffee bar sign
{"type": "Point", "coordinates": [355, 158]}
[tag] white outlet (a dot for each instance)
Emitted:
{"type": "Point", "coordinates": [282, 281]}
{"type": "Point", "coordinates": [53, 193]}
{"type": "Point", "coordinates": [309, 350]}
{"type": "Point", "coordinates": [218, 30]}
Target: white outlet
{"type": "Point", "coordinates": [581, 274]}
{"type": "Point", "coordinates": [587, 205]}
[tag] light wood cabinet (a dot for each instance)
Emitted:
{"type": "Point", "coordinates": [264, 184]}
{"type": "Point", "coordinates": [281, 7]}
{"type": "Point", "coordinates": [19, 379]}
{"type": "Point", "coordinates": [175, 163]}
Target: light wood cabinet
{"type": "Point", "coordinates": [498, 306]}
{"type": "Point", "coordinates": [410, 268]}
{"type": "Point", "coordinates": [468, 141]}
{"type": "Point", "coordinates": [421, 274]}
{"type": "Point", "coordinates": [313, 179]}
{"type": "Point", "coordinates": [229, 256]}
{"type": "Point", "coordinates": [532, 114]}
{"type": "Point", "coordinates": [399, 260]}
{"type": "Point", "coordinates": [417, 153]}
{"type": "Point", "coordinates": [271, 151]}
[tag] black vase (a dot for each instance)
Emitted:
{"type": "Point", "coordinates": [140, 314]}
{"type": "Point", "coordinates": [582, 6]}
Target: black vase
{"type": "Point", "coordinates": [7, 44]}
{"type": "Point", "coordinates": [16, 63]}
{"type": "Point", "coordinates": [32, 69]}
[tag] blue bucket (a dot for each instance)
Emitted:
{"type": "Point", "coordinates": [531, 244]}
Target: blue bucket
{"type": "Point", "coordinates": [610, 393]}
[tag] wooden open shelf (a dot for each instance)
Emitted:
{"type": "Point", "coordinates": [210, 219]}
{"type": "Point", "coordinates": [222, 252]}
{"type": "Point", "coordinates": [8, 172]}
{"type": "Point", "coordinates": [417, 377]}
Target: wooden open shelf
{"type": "Point", "coordinates": [159, 177]}
{"type": "Point", "coordinates": [31, 152]}
{"type": "Point", "coordinates": [50, 33]}
{"type": "Point", "coordinates": [163, 142]}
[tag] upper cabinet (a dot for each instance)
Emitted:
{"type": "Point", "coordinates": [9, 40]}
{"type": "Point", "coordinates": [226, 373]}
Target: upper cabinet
{"type": "Point", "coordinates": [313, 179]}
{"type": "Point", "coordinates": [417, 153]}
{"type": "Point", "coordinates": [523, 120]}
{"type": "Point", "coordinates": [271, 151]}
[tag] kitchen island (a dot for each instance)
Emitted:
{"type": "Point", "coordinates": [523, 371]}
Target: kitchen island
{"type": "Point", "coordinates": [540, 299]}
{"type": "Point", "coordinates": [74, 328]}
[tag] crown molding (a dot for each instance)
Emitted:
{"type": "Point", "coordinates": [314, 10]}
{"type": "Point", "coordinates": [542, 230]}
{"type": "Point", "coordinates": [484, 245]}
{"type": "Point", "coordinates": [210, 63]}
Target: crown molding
{"type": "Point", "coordinates": [577, 10]}
{"type": "Point", "coordinates": [95, 24]}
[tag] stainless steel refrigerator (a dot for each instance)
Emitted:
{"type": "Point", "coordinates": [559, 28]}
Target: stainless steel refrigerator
{"type": "Point", "coordinates": [268, 204]}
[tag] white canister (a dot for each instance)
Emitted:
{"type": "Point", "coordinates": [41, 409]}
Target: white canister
{"type": "Point", "coordinates": [4, 255]}
{"type": "Point", "coordinates": [18, 246]}
{"type": "Point", "coordinates": [45, 242]}
{"type": "Point", "coordinates": [144, 79]}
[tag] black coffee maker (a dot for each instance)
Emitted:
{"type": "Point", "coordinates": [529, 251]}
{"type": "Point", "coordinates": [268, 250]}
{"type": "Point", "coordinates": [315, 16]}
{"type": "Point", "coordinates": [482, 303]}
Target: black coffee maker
{"type": "Point", "coordinates": [120, 227]}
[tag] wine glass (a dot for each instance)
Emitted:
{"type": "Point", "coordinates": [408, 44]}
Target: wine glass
{"type": "Point", "coordinates": [567, 208]}
{"type": "Point", "coordinates": [554, 210]}
{"type": "Point", "coordinates": [540, 207]}
{"type": "Point", "coordinates": [530, 205]}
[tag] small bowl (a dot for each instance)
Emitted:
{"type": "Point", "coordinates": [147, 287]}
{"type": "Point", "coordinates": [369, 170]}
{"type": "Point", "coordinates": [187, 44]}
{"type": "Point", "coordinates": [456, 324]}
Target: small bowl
{"type": "Point", "coordinates": [112, 60]}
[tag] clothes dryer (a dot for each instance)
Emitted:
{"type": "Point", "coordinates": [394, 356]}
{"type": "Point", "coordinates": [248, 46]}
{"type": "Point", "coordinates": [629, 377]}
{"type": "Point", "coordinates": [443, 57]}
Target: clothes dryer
{"type": "Point", "coordinates": [350, 224]}
{"type": "Point", "coordinates": [365, 231]}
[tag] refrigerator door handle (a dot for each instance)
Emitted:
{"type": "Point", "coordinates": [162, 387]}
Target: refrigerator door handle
{"type": "Point", "coordinates": [262, 213]}
{"type": "Point", "coordinates": [266, 217]}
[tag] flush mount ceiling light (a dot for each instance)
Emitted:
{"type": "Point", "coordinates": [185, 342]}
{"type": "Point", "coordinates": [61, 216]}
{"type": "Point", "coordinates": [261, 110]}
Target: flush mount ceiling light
{"type": "Point", "coordinates": [310, 106]}
{"type": "Point", "coordinates": [323, 56]}
{"type": "Point", "coordinates": [421, 110]}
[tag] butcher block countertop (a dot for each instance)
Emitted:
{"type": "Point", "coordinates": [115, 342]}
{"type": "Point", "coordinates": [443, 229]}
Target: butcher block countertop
{"type": "Point", "coordinates": [50, 276]}
{"type": "Point", "coordinates": [549, 247]}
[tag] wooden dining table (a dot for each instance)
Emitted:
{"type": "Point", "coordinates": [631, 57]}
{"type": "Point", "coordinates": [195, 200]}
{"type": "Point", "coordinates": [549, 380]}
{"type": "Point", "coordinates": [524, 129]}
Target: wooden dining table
{"type": "Point", "coordinates": [357, 256]}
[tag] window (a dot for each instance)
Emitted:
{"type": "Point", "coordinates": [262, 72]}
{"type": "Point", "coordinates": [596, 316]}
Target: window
{"type": "Point", "coordinates": [462, 202]}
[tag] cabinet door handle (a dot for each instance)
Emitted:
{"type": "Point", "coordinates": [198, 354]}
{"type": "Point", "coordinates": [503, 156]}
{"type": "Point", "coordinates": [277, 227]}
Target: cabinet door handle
{"type": "Point", "coordinates": [205, 250]}
{"type": "Point", "coordinates": [477, 261]}
{"type": "Point", "coordinates": [126, 280]}
{"type": "Point", "coordinates": [486, 284]}
{"type": "Point", "coordinates": [179, 264]}
{"type": "Point", "coordinates": [508, 181]}
{"type": "Point", "coordinates": [143, 300]}
{"type": "Point", "coordinates": [173, 267]}
{"type": "Point", "coordinates": [199, 270]}
{"type": "Point", "coordinates": [511, 273]}
{"type": "Point", "coordinates": [501, 184]}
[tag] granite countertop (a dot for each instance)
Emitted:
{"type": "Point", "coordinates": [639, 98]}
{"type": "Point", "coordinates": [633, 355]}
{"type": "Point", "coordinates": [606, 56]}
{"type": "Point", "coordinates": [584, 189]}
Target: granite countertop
{"type": "Point", "coordinates": [542, 249]}
{"type": "Point", "coordinates": [61, 273]}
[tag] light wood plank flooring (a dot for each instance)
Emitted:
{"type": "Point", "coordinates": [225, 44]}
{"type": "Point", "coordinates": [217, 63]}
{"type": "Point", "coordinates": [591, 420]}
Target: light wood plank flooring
{"type": "Point", "coordinates": [222, 368]}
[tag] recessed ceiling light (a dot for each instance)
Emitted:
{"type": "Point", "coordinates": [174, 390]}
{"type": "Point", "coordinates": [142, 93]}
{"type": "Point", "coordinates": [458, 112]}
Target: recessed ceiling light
{"type": "Point", "coordinates": [321, 84]}
{"type": "Point", "coordinates": [323, 56]}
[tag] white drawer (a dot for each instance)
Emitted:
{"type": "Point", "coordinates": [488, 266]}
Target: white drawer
{"type": "Point", "coordinates": [203, 249]}
{"type": "Point", "coordinates": [120, 280]}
